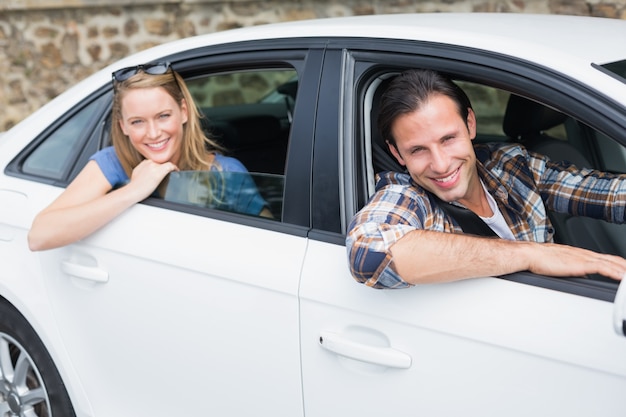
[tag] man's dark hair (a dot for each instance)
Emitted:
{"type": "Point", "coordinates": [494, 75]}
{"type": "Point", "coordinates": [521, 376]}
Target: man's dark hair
{"type": "Point", "coordinates": [409, 90]}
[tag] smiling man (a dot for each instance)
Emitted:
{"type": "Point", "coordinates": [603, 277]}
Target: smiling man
{"type": "Point", "coordinates": [405, 236]}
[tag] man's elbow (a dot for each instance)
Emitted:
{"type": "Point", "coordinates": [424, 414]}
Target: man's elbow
{"type": "Point", "coordinates": [375, 270]}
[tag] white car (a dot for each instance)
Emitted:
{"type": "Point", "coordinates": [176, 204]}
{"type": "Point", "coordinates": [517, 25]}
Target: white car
{"type": "Point", "coordinates": [177, 309]}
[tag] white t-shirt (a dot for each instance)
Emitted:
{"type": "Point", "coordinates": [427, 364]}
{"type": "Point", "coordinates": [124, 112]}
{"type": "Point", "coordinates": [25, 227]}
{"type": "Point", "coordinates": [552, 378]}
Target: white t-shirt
{"type": "Point", "coordinates": [497, 222]}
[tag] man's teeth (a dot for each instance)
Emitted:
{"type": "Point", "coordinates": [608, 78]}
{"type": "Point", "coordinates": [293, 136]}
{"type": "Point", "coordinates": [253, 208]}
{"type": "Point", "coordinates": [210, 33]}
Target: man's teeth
{"type": "Point", "coordinates": [448, 178]}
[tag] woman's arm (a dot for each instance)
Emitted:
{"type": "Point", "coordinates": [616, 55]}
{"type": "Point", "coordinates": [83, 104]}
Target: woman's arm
{"type": "Point", "coordinates": [88, 203]}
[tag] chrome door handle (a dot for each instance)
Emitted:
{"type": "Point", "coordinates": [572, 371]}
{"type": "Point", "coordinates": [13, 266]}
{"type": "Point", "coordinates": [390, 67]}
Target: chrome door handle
{"type": "Point", "coordinates": [371, 354]}
{"type": "Point", "coordinates": [90, 273]}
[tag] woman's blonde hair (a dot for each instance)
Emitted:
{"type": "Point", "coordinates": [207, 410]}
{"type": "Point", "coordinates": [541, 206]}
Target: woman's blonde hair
{"type": "Point", "coordinates": [196, 147]}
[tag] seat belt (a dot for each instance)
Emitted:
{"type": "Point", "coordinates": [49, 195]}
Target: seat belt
{"type": "Point", "coordinates": [467, 219]}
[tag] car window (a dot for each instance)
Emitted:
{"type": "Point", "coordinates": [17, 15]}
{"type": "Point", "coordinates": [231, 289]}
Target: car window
{"type": "Point", "coordinates": [506, 117]}
{"type": "Point", "coordinates": [490, 105]}
{"type": "Point", "coordinates": [54, 156]}
{"type": "Point", "coordinates": [236, 192]}
{"type": "Point", "coordinates": [502, 116]}
{"type": "Point", "coordinates": [611, 153]}
{"type": "Point", "coordinates": [249, 113]}
{"type": "Point", "coordinates": [243, 87]}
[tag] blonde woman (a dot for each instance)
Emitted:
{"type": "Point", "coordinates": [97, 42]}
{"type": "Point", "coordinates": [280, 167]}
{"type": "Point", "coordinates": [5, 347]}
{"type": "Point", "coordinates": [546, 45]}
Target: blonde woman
{"type": "Point", "coordinates": [155, 130]}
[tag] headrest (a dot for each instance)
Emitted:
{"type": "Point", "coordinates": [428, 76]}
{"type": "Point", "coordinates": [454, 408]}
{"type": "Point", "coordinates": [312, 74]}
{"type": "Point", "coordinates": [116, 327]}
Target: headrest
{"type": "Point", "coordinates": [255, 130]}
{"type": "Point", "coordinates": [382, 158]}
{"type": "Point", "coordinates": [524, 118]}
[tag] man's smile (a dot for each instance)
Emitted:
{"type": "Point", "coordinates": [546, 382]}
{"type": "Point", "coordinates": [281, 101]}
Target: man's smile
{"type": "Point", "coordinates": [448, 180]}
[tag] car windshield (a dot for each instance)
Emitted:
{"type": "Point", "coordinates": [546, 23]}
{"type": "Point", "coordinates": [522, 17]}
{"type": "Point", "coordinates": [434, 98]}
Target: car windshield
{"type": "Point", "coordinates": [617, 69]}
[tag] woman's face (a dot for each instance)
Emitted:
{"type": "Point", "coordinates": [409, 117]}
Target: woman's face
{"type": "Point", "coordinates": [153, 121]}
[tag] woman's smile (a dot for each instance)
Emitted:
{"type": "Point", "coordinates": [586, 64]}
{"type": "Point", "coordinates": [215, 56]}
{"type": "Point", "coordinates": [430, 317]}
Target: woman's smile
{"type": "Point", "coordinates": [158, 146]}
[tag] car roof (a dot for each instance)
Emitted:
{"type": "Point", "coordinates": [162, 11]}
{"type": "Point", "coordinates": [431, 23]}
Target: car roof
{"type": "Point", "coordinates": [590, 38]}
{"type": "Point", "coordinates": [566, 44]}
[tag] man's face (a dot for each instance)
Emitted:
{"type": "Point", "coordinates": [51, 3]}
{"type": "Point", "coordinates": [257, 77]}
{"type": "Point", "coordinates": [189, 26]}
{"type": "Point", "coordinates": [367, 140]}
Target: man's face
{"type": "Point", "coordinates": [435, 145]}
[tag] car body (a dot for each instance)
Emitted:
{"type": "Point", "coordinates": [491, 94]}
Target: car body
{"type": "Point", "coordinates": [176, 309]}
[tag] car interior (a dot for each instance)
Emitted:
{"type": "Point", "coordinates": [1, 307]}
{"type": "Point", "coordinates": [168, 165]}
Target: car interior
{"type": "Point", "coordinates": [251, 129]}
{"type": "Point", "coordinates": [530, 123]}
{"type": "Point", "coordinates": [257, 135]}
{"type": "Point", "coordinates": [254, 134]}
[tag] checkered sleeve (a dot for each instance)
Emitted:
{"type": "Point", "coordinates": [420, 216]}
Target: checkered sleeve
{"type": "Point", "coordinates": [582, 192]}
{"type": "Point", "coordinates": [390, 214]}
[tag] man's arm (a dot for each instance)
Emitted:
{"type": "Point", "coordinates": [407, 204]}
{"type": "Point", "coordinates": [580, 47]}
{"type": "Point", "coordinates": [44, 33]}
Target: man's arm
{"type": "Point", "coordinates": [424, 256]}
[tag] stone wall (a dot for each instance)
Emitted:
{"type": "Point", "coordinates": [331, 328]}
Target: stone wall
{"type": "Point", "coordinates": [48, 45]}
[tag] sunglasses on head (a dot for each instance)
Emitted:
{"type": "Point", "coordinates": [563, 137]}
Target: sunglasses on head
{"type": "Point", "coordinates": [155, 68]}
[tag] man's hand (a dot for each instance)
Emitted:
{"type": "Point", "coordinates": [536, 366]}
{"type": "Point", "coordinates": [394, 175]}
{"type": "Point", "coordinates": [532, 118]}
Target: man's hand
{"type": "Point", "coordinates": [562, 260]}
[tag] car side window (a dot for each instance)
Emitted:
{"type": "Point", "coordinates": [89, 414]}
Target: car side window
{"type": "Point", "coordinates": [611, 153]}
{"type": "Point", "coordinates": [249, 113]}
{"type": "Point", "coordinates": [491, 105]}
{"type": "Point", "coordinates": [506, 117]}
{"type": "Point", "coordinates": [233, 191]}
{"type": "Point", "coordinates": [53, 158]}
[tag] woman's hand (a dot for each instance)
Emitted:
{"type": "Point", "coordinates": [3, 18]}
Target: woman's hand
{"type": "Point", "coordinates": [147, 176]}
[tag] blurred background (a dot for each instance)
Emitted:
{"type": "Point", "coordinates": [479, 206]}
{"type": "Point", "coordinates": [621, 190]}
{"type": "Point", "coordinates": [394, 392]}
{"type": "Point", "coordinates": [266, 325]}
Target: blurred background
{"type": "Point", "coordinates": [48, 45]}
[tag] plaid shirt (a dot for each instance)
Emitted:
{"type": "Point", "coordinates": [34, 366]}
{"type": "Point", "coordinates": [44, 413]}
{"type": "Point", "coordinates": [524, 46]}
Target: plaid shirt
{"type": "Point", "coordinates": [524, 185]}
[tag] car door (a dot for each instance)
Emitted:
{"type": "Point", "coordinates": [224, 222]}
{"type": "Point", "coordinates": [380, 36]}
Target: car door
{"type": "Point", "coordinates": [173, 308]}
{"type": "Point", "coordinates": [518, 345]}
{"type": "Point", "coordinates": [484, 347]}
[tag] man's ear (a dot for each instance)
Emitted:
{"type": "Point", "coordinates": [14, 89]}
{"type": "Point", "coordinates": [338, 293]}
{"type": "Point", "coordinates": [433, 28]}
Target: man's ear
{"type": "Point", "coordinates": [394, 151]}
{"type": "Point", "coordinates": [471, 123]}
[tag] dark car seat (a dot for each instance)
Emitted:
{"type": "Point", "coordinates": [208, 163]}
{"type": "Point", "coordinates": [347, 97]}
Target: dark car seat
{"type": "Point", "coordinates": [527, 121]}
{"type": "Point", "coordinates": [258, 141]}
{"type": "Point", "coordinates": [382, 158]}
